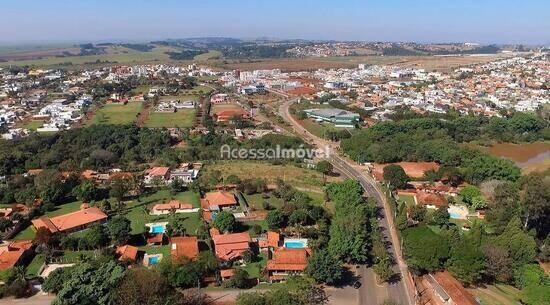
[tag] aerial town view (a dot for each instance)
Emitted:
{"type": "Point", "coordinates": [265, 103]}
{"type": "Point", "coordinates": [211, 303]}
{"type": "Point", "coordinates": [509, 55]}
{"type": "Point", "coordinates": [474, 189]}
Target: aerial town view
{"type": "Point", "coordinates": [282, 152]}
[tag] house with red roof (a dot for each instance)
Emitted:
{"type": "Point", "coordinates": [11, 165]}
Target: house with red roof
{"type": "Point", "coordinates": [286, 262]}
{"type": "Point", "coordinates": [431, 200]}
{"type": "Point", "coordinates": [271, 241]}
{"type": "Point", "coordinates": [71, 222]}
{"type": "Point", "coordinates": [127, 253]}
{"type": "Point", "coordinates": [154, 174]}
{"type": "Point", "coordinates": [219, 200]}
{"type": "Point", "coordinates": [184, 247]}
{"type": "Point", "coordinates": [231, 247]}
{"type": "Point", "coordinates": [173, 205]}
{"type": "Point", "coordinates": [14, 253]}
{"type": "Point", "coordinates": [449, 290]}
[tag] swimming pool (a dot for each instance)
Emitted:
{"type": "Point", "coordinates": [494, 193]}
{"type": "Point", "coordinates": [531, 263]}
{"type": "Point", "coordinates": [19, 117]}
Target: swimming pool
{"type": "Point", "coordinates": [295, 243]}
{"type": "Point", "coordinates": [158, 229]}
{"type": "Point", "coordinates": [153, 260]}
{"type": "Point", "coordinates": [455, 215]}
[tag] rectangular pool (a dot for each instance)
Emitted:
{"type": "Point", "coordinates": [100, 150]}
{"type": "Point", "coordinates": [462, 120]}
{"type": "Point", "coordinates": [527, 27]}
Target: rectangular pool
{"type": "Point", "coordinates": [153, 260]}
{"type": "Point", "coordinates": [295, 244]}
{"type": "Point", "coordinates": [157, 229]}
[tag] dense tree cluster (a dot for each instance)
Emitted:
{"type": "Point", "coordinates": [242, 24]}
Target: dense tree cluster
{"type": "Point", "coordinates": [432, 139]}
{"type": "Point", "coordinates": [96, 147]}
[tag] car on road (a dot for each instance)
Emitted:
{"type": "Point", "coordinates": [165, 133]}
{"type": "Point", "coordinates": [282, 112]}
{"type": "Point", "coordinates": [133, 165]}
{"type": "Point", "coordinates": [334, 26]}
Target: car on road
{"type": "Point", "coordinates": [357, 285]}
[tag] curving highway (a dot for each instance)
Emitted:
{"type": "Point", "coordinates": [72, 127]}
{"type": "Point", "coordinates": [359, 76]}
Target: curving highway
{"type": "Point", "coordinates": [371, 293]}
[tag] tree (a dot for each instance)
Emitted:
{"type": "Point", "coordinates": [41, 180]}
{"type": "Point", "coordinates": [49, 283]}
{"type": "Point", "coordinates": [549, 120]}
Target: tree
{"type": "Point", "coordinates": [499, 263]}
{"type": "Point", "coordinates": [325, 168]}
{"type": "Point", "coordinates": [441, 216]}
{"type": "Point", "coordinates": [469, 192]}
{"type": "Point", "coordinates": [90, 281]}
{"type": "Point", "coordinates": [142, 286]}
{"type": "Point", "coordinates": [184, 274]}
{"type": "Point", "coordinates": [467, 262]}
{"type": "Point", "coordinates": [275, 220]}
{"type": "Point", "coordinates": [402, 219]}
{"type": "Point", "coordinates": [535, 202]}
{"type": "Point", "coordinates": [119, 229]}
{"type": "Point", "coordinates": [478, 203]}
{"type": "Point", "coordinates": [383, 270]}
{"type": "Point", "coordinates": [177, 185]}
{"type": "Point", "coordinates": [95, 236]}
{"type": "Point", "coordinates": [42, 237]}
{"type": "Point", "coordinates": [119, 188]}
{"type": "Point", "coordinates": [240, 279]}
{"type": "Point", "coordinates": [50, 186]}
{"type": "Point", "coordinates": [232, 179]}
{"type": "Point", "coordinates": [520, 245]}
{"type": "Point", "coordinates": [395, 175]}
{"type": "Point", "coordinates": [177, 227]}
{"type": "Point", "coordinates": [324, 267]}
{"type": "Point", "coordinates": [424, 250]}
{"type": "Point", "coordinates": [86, 191]}
{"type": "Point", "coordinates": [418, 213]}
{"type": "Point", "coordinates": [225, 222]}
{"type": "Point", "coordinates": [299, 217]}
{"type": "Point", "coordinates": [56, 279]}
{"type": "Point", "coordinates": [503, 207]}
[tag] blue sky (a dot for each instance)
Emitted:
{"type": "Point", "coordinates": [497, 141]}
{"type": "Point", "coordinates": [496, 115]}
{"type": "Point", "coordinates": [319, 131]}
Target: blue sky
{"type": "Point", "coordinates": [485, 21]}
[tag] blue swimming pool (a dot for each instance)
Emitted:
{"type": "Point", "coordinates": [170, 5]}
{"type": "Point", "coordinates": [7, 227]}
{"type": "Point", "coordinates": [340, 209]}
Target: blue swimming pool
{"type": "Point", "coordinates": [455, 215]}
{"type": "Point", "coordinates": [295, 244]}
{"type": "Point", "coordinates": [153, 260]}
{"type": "Point", "coordinates": [158, 229]}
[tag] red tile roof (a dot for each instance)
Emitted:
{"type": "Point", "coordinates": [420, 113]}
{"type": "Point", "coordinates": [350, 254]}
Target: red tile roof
{"type": "Point", "coordinates": [454, 289]}
{"type": "Point", "coordinates": [286, 259]}
{"type": "Point", "coordinates": [127, 253]}
{"type": "Point", "coordinates": [424, 198]}
{"type": "Point", "coordinates": [70, 221]}
{"type": "Point", "coordinates": [155, 239]}
{"type": "Point", "coordinates": [220, 198]}
{"type": "Point", "coordinates": [184, 246]}
{"type": "Point", "coordinates": [157, 171]}
{"type": "Point", "coordinates": [273, 239]}
{"type": "Point", "coordinates": [231, 246]}
{"type": "Point", "coordinates": [11, 254]}
{"type": "Point", "coordinates": [227, 273]}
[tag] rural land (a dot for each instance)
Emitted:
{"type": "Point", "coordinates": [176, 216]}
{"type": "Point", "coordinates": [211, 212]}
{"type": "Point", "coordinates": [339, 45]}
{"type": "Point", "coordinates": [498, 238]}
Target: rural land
{"type": "Point", "coordinates": [263, 171]}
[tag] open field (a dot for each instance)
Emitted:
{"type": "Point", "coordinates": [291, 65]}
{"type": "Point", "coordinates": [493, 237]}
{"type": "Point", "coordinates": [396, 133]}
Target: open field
{"type": "Point", "coordinates": [217, 108]}
{"type": "Point", "coordinates": [116, 114]}
{"type": "Point", "coordinates": [295, 64]}
{"type": "Point", "coordinates": [496, 295]}
{"type": "Point", "coordinates": [115, 54]}
{"type": "Point", "coordinates": [181, 118]}
{"type": "Point", "coordinates": [302, 178]}
{"type": "Point", "coordinates": [212, 54]}
{"type": "Point", "coordinates": [29, 54]}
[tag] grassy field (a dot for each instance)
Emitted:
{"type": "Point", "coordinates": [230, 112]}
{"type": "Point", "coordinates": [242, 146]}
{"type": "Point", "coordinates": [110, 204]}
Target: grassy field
{"type": "Point", "coordinates": [115, 54]}
{"type": "Point", "coordinates": [138, 212]}
{"type": "Point", "coordinates": [33, 125]}
{"type": "Point", "coordinates": [117, 114]}
{"type": "Point", "coordinates": [212, 54]}
{"type": "Point", "coordinates": [407, 199]}
{"type": "Point", "coordinates": [299, 177]}
{"type": "Point", "coordinates": [182, 118]}
{"type": "Point", "coordinates": [34, 266]}
{"type": "Point", "coordinates": [217, 108]}
{"type": "Point", "coordinates": [255, 268]}
{"type": "Point", "coordinates": [496, 295]}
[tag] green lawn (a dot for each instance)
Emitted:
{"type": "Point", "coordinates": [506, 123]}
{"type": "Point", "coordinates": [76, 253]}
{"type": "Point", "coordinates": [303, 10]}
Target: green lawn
{"type": "Point", "coordinates": [117, 114]}
{"type": "Point", "coordinates": [33, 125]}
{"type": "Point", "coordinates": [27, 234]}
{"type": "Point", "coordinates": [138, 212]}
{"type": "Point", "coordinates": [200, 90]}
{"type": "Point", "coordinates": [256, 201]}
{"type": "Point", "coordinates": [407, 199]}
{"type": "Point", "coordinates": [64, 209]}
{"type": "Point", "coordinates": [497, 295]}
{"type": "Point", "coordinates": [34, 266]}
{"type": "Point", "coordinates": [254, 269]}
{"type": "Point", "coordinates": [164, 250]}
{"type": "Point", "coordinates": [182, 118]}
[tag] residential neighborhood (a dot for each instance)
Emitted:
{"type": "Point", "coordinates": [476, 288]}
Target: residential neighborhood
{"type": "Point", "coordinates": [275, 153]}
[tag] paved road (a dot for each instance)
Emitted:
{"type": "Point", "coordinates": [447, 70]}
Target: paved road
{"type": "Point", "coordinates": [370, 292]}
